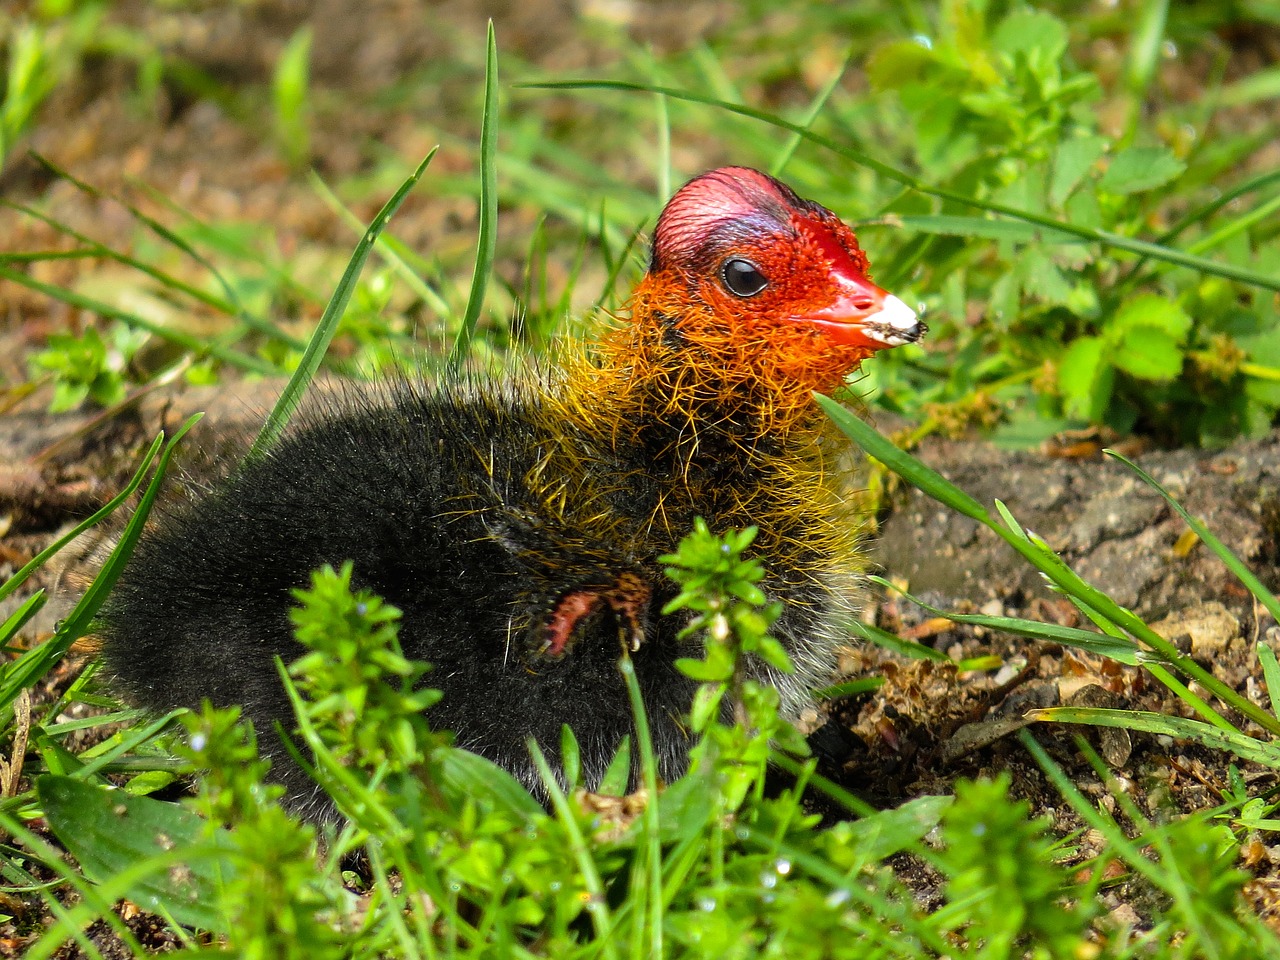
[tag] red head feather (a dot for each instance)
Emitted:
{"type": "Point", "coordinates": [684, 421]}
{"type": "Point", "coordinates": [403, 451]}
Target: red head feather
{"type": "Point", "coordinates": [810, 265]}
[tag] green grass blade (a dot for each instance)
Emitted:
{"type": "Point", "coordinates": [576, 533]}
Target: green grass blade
{"type": "Point", "coordinates": [41, 558]}
{"type": "Point", "coordinates": [903, 464]}
{"type": "Point", "coordinates": [1122, 650]}
{"type": "Point", "coordinates": [888, 171]}
{"type": "Point", "coordinates": [195, 345]}
{"type": "Point", "coordinates": [98, 759]}
{"type": "Point", "coordinates": [1202, 213]}
{"type": "Point", "coordinates": [1270, 674]}
{"type": "Point", "coordinates": [1262, 85]}
{"type": "Point", "coordinates": [1264, 213]}
{"type": "Point", "coordinates": [664, 148]}
{"type": "Point", "coordinates": [230, 305]}
{"type": "Point", "coordinates": [1043, 559]}
{"type": "Point", "coordinates": [1245, 747]}
{"type": "Point", "coordinates": [811, 115]}
{"type": "Point", "coordinates": [891, 919]}
{"type": "Point", "coordinates": [290, 95]}
{"type": "Point", "coordinates": [225, 241]}
{"type": "Point", "coordinates": [985, 228]}
{"type": "Point", "coordinates": [1145, 51]}
{"type": "Point", "coordinates": [652, 832]}
{"type": "Point", "coordinates": [291, 396]}
{"type": "Point", "coordinates": [1187, 696]}
{"type": "Point", "coordinates": [487, 241]}
{"type": "Point", "coordinates": [896, 644]}
{"type": "Point", "coordinates": [598, 905]}
{"type": "Point", "coordinates": [15, 622]}
{"type": "Point", "coordinates": [77, 622]}
{"type": "Point", "coordinates": [1092, 813]}
{"type": "Point", "coordinates": [1223, 552]}
{"type": "Point", "coordinates": [388, 247]}
{"type": "Point", "coordinates": [93, 248]}
{"type": "Point", "coordinates": [1009, 519]}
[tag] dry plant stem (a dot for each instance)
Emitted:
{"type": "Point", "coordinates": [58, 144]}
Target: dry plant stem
{"type": "Point", "coordinates": [11, 770]}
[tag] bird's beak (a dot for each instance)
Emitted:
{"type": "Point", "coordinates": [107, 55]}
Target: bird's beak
{"type": "Point", "coordinates": [863, 315]}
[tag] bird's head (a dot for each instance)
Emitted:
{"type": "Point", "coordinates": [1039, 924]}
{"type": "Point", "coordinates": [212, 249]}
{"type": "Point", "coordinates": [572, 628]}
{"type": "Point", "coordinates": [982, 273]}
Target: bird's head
{"type": "Point", "coordinates": [764, 264]}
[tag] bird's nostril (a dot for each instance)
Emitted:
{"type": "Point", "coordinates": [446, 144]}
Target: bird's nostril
{"type": "Point", "coordinates": [863, 303]}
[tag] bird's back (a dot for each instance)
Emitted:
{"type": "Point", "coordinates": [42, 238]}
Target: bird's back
{"type": "Point", "coordinates": [434, 496]}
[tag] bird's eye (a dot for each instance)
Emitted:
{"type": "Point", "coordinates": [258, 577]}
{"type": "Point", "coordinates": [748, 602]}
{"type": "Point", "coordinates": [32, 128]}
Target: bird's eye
{"type": "Point", "coordinates": [742, 278]}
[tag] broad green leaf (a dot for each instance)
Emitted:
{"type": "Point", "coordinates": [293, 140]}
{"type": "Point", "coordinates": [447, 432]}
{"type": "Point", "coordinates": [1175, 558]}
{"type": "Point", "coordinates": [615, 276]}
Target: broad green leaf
{"type": "Point", "coordinates": [149, 781]}
{"type": "Point", "coordinates": [1084, 210]}
{"type": "Point", "coordinates": [1153, 310]}
{"type": "Point", "coordinates": [1149, 354]}
{"type": "Point", "coordinates": [1141, 168]}
{"type": "Point", "coordinates": [896, 64]}
{"type": "Point", "coordinates": [852, 688]}
{"type": "Point", "coordinates": [1085, 377]}
{"type": "Point", "coordinates": [617, 776]}
{"type": "Point", "coordinates": [111, 831]}
{"type": "Point", "coordinates": [1073, 160]}
{"type": "Point", "coordinates": [471, 775]}
{"type": "Point", "coordinates": [1028, 31]}
{"type": "Point", "coordinates": [1042, 279]}
{"type": "Point", "coordinates": [570, 756]}
{"type": "Point", "coordinates": [705, 671]}
{"type": "Point", "coordinates": [887, 832]}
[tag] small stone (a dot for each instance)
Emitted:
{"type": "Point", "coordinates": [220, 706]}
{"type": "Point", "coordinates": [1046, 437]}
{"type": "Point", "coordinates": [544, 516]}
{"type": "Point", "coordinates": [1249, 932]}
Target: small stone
{"type": "Point", "coordinates": [1210, 626]}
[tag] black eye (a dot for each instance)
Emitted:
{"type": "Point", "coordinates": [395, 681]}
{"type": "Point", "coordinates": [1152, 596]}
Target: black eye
{"type": "Point", "coordinates": [741, 277]}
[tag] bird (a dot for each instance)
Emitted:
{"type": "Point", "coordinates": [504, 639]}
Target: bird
{"type": "Point", "coordinates": [517, 523]}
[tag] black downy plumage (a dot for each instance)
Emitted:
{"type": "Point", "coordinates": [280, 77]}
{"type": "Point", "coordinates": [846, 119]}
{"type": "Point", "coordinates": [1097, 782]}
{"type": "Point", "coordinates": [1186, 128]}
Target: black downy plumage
{"type": "Point", "coordinates": [517, 526]}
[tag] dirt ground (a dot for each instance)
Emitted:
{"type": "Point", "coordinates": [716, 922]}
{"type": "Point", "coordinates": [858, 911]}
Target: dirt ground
{"type": "Point", "coordinates": [927, 725]}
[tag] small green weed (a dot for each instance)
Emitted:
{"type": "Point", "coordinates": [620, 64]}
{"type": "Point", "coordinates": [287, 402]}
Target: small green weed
{"type": "Point", "coordinates": [87, 368]}
{"type": "Point", "coordinates": [290, 95]}
{"type": "Point", "coordinates": [999, 862]}
{"type": "Point", "coordinates": [1004, 115]}
{"type": "Point", "coordinates": [712, 866]}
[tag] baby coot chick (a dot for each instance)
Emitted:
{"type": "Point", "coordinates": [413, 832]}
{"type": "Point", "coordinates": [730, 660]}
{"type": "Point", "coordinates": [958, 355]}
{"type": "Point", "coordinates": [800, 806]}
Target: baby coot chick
{"type": "Point", "coordinates": [517, 525]}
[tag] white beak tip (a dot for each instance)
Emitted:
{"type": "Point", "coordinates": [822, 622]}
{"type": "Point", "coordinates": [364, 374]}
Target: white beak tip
{"type": "Point", "coordinates": [894, 324]}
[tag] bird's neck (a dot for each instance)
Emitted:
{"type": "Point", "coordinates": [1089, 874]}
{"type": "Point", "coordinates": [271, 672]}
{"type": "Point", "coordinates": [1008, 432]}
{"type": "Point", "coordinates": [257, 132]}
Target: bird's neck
{"type": "Point", "coordinates": [676, 374]}
{"type": "Point", "coordinates": [704, 424]}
